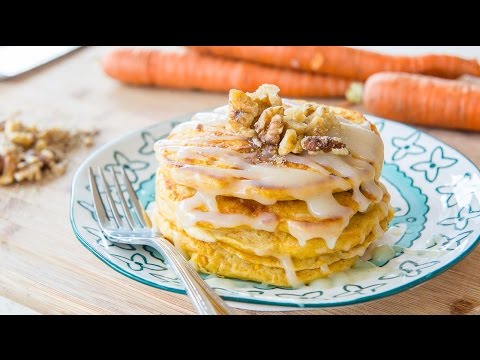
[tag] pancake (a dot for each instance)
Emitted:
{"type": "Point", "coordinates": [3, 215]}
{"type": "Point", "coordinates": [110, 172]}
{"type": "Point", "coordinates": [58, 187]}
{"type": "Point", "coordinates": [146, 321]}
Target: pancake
{"type": "Point", "coordinates": [279, 192]}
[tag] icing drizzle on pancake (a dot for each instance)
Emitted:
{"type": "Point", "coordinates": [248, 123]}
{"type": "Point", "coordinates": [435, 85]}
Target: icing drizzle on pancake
{"type": "Point", "coordinates": [198, 154]}
{"type": "Point", "coordinates": [313, 180]}
{"type": "Point", "coordinates": [289, 268]}
{"type": "Point", "coordinates": [188, 215]}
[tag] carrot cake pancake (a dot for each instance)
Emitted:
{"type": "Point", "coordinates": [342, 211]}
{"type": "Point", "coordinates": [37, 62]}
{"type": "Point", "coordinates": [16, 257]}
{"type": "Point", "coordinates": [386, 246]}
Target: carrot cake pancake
{"type": "Point", "coordinates": [276, 191]}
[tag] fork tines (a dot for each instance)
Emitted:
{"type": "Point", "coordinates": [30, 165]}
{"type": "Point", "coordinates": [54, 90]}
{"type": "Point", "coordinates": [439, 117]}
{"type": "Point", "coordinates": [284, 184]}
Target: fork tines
{"type": "Point", "coordinates": [104, 219]}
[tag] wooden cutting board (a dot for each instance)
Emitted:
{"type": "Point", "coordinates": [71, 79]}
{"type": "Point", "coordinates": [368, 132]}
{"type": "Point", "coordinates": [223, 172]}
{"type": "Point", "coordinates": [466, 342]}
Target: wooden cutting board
{"type": "Point", "coordinates": [44, 267]}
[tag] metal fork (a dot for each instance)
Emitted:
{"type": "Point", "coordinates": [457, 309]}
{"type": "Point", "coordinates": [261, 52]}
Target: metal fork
{"type": "Point", "coordinates": [138, 232]}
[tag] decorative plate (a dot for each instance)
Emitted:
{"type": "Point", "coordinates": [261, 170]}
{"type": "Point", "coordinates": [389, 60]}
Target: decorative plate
{"type": "Point", "coordinates": [435, 191]}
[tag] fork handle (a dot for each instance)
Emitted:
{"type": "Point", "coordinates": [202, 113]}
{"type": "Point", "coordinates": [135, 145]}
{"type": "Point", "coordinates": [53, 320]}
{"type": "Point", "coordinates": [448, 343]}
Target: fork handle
{"type": "Point", "coordinates": [204, 298]}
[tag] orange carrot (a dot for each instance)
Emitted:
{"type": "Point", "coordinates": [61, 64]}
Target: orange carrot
{"type": "Point", "coordinates": [344, 61]}
{"type": "Point", "coordinates": [193, 71]}
{"type": "Point", "coordinates": [423, 100]}
{"type": "Point", "coordinates": [470, 79]}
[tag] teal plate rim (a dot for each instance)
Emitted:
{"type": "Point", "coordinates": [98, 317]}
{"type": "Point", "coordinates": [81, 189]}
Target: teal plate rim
{"type": "Point", "coordinates": [367, 298]}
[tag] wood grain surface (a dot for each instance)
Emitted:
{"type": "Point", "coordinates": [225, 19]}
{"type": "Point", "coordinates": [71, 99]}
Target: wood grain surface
{"type": "Point", "coordinates": [44, 267]}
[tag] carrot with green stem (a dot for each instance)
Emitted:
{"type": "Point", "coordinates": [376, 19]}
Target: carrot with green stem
{"type": "Point", "coordinates": [422, 100]}
{"type": "Point", "coordinates": [345, 62]}
{"type": "Point", "coordinates": [194, 71]}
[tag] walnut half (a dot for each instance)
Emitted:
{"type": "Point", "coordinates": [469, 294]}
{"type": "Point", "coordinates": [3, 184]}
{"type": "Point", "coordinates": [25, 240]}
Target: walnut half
{"type": "Point", "coordinates": [326, 144]}
{"type": "Point", "coordinates": [266, 96]}
{"type": "Point", "coordinates": [243, 111]}
{"type": "Point", "coordinates": [270, 125]}
{"type": "Point", "coordinates": [289, 143]}
{"type": "Point", "coordinates": [320, 122]}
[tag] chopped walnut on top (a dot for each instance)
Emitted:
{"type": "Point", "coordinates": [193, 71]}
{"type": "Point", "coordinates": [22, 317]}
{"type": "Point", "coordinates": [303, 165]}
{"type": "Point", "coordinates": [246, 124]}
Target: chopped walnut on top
{"type": "Point", "coordinates": [269, 126]}
{"type": "Point", "coordinates": [289, 143]}
{"type": "Point", "coordinates": [300, 113]}
{"type": "Point", "coordinates": [320, 122]}
{"type": "Point", "coordinates": [243, 111]}
{"type": "Point", "coordinates": [316, 144]}
{"type": "Point", "coordinates": [284, 129]}
{"type": "Point", "coordinates": [27, 153]}
{"type": "Point", "coordinates": [266, 96]}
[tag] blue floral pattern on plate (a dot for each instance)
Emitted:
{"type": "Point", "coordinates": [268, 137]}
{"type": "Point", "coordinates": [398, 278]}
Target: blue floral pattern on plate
{"type": "Point", "coordinates": [438, 161]}
{"type": "Point", "coordinates": [461, 191]}
{"type": "Point", "coordinates": [407, 146]}
{"type": "Point", "coordinates": [460, 221]}
{"type": "Point", "coordinates": [435, 192]}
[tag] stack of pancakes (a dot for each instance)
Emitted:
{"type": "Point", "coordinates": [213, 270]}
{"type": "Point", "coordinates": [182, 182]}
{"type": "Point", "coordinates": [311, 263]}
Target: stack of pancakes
{"type": "Point", "coordinates": [285, 220]}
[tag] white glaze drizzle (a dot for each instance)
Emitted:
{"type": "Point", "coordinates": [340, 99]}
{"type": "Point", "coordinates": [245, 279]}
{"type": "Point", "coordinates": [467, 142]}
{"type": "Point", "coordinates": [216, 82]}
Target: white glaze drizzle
{"type": "Point", "coordinates": [360, 140]}
{"type": "Point", "coordinates": [331, 172]}
{"type": "Point", "coordinates": [188, 216]}
{"type": "Point", "coordinates": [361, 271]}
{"type": "Point", "coordinates": [208, 119]}
{"type": "Point", "coordinates": [290, 272]}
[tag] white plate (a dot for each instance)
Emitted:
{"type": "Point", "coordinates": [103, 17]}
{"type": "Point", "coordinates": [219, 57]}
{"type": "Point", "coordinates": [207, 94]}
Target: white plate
{"type": "Point", "coordinates": [434, 188]}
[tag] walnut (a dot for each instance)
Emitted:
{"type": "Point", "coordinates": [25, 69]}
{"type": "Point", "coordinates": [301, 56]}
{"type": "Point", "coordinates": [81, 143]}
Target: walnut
{"type": "Point", "coordinates": [26, 153]}
{"type": "Point", "coordinates": [320, 122]}
{"type": "Point", "coordinates": [269, 126]}
{"type": "Point", "coordinates": [296, 117]}
{"type": "Point", "coordinates": [88, 141]}
{"type": "Point", "coordinates": [22, 138]}
{"type": "Point", "coordinates": [268, 153]}
{"type": "Point", "coordinates": [298, 127]}
{"type": "Point", "coordinates": [29, 172]}
{"type": "Point", "coordinates": [301, 112]}
{"type": "Point", "coordinates": [12, 126]}
{"type": "Point", "coordinates": [262, 117]}
{"type": "Point", "coordinates": [288, 143]}
{"type": "Point", "coordinates": [298, 146]}
{"type": "Point", "coordinates": [256, 141]}
{"type": "Point", "coordinates": [57, 136]}
{"type": "Point", "coordinates": [243, 111]}
{"type": "Point", "coordinates": [266, 96]}
{"type": "Point", "coordinates": [6, 180]}
{"type": "Point", "coordinates": [325, 144]}
{"type": "Point", "coordinates": [48, 157]}
{"type": "Point", "coordinates": [59, 168]}
{"type": "Point", "coordinates": [9, 165]}
{"type": "Point", "coordinates": [40, 145]}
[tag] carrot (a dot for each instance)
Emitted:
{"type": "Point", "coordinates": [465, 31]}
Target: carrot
{"type": "Point", "coordinates": [470, 79]}
{"type": "Point", "coordinates": [194, 71]}
{"type": "Point", "coordinates": [344, 61]}
{"type": "Point", "coordinates": [423, 100]}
